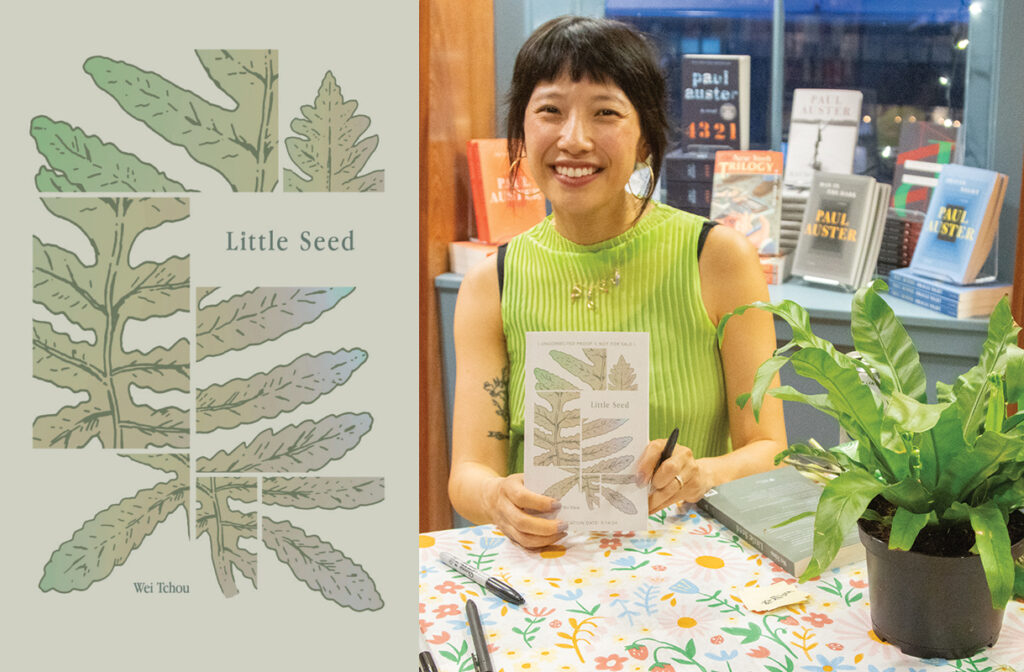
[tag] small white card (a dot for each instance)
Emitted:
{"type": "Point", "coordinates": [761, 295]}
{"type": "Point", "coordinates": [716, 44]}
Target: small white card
{"type": "Point", "coordinates": [766, 598]}
{"type": "Point", "coordinates": [586, 425]}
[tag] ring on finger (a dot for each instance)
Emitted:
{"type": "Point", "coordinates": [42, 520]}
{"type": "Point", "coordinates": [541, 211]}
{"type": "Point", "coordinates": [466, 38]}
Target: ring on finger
{"type": "Point", "coordinates": [679, 481]}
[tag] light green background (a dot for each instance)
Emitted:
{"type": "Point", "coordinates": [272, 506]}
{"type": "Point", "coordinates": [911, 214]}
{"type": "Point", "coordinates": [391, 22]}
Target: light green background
{"type": "Point", "coordinates": [372, 50]}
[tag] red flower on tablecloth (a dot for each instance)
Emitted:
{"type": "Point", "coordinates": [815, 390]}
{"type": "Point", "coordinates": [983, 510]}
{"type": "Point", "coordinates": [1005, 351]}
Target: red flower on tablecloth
{"type": "Point", "coordinates": [817, 620]}
{"type": "Point", "coordinates": [447, 610]}
{"type": "Point", "coordinates": [449, 587]}
{"type": "Point", "coordinates": [659, 568]}
{"type": "Point", "coordinates": [779, 579]}
{"type": "Point", "coordinates": [492, 648]}
{"type": "Point", "coordinates": [423, 608]}
{"type": "Point", "coordinates": [425, 624]}
{"type": "Point", "coordinates": [612, 544]}
{"type": "Point", "coordinates": [662, 667]}
{"type": "Point", "coordinates": [440, 639]}
{"type": "Point", "coordinates": [790, 621]}
{"type": "Point", "coordinates": [624, 534]}
{"type": "Point", "coordinates": [759, 652]}
{"type": "Point", "coordinates": [612, 661]}
{"type": "Point", "coordinates": [555, 624]}
{"type": "Point", "coordinates": [857, 583]}
{"type": "Point", "coordinates": [717, 639]}
{"type": "Point", "coordinates": [539, 612]}
{"type": "Point", "coordinates": [835, 646]}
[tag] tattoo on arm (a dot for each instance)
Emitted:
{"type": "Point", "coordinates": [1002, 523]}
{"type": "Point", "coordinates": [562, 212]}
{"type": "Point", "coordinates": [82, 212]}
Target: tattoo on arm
{"type": "Point", "coordinates": [498, 389]}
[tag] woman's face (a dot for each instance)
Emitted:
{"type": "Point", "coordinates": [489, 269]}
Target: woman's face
{"type": "Point", "coordinates": [583, 140]}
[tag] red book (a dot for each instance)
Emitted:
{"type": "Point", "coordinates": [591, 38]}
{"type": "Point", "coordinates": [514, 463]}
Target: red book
{"type": "Point", "coordinates": [502, 210]}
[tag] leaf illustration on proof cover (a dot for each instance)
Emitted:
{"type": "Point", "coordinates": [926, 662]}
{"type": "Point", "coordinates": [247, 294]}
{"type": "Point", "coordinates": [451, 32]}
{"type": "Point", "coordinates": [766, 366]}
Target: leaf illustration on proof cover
{"type": "Point", "coordinates": [328, 149]}
{"type": "Point", "coordinates": [100, 297]}
{"type": "Point", "coordinates": [622, 376]}
{"type": "Point", "coordinates": [576, 444]}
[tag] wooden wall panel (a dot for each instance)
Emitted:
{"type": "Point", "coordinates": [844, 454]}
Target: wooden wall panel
{"type": "Point", "coordinates": [456, 104]}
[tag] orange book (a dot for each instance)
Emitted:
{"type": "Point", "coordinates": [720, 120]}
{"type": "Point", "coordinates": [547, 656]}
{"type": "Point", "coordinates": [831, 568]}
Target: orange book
{"type": "Point", "coordinates": [501, 210]}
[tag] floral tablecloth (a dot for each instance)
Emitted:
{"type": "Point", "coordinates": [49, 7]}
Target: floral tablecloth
{"type": "Point", "coordinates": [663, 599]}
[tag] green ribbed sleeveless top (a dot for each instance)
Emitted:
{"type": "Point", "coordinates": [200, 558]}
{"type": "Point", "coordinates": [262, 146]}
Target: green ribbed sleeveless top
{"type": "Point", "coordinates": [658, 293]}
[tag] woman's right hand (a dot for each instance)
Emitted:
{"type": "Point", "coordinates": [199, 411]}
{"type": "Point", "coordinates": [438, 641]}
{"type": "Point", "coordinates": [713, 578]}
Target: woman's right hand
{"type": "Point", "coordinates": [513, 508]}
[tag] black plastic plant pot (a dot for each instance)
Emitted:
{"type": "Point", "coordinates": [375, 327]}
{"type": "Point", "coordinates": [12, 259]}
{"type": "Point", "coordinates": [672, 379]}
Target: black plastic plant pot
{"type": "Point", "coordinates": [931, 606]}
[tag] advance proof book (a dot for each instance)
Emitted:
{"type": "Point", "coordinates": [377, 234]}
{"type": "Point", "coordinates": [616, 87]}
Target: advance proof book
{"type": "Point", "coordinates": [842, 230]}
{"type": "Point", "coordinates": [586, 425]}
{"type": "Point", "coordinates": [746, 195]}
{"type": "Point", "coordinates": [823, 130]}
{"type": "Point", "coordinates": [962, 218]}
{"type": "Point", "coordinates": [753, 505]}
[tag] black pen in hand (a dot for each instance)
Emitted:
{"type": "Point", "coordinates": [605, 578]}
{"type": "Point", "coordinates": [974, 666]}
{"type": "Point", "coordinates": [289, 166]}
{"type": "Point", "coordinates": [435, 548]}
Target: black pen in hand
{"type": "Point", "coordinates": [669, 447]}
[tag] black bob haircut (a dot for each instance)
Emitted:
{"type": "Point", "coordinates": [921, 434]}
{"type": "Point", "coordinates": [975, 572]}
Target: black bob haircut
{"type": "Point", "coordinates": [602, 50]}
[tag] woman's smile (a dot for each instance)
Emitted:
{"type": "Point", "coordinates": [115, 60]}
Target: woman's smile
{"type": "Point", "coordinates": [582, 142]}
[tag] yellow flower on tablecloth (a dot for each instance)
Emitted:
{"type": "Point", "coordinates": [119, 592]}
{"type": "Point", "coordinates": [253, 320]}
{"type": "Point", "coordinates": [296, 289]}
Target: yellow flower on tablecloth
{"type": "Point", "coordinates": [426, 541]}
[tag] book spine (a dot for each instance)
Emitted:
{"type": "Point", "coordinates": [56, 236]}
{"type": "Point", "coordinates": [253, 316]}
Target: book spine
{"type": "Point", "coordinates": [770, 552]}
{"type": "Point", "coordinates": [923, 298]}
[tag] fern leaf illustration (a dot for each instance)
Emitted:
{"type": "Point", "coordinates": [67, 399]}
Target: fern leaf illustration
{"type": "Point", "coordinates": [561, 488]}
{"type": "Point", "coordinates": [556, 430]}
{"type": "Point", "coordinates": [226, 526]}
{"type": "Point", "coordinates": [171, 463]}
{"type": "Point", "coordinates": [616, 499]}
{"type": "Point", "coordinates": [317, 492]}
{"type": "Point", "coordinates": [610, 466]}
{"type": "Point", "coordinates": [322, 567]}
{"type": "Point", "coordinates": [549, 381]}
{"type": "Point", "coordinates": [101, 298]}
{"type": "Point", "coordinates": [282, 389]}
{"type": "Point", "coordinates": [105, 541]}
{"type": "Point", "coordinates": [601, 426]}
{"type": "Point", "coordinates": [260, 315]}
{"type": "Point", "coordinates": [241, 143]}
{"type": "Point", "coordinates": [605, 448]}
{"type": "Point", "coordinates": [305, 447]}
{"type": "Point", "coordinates": [81, 162]}
{"type": "Point", "coordinates": [329, 150]}
{"type": "Point", "coordinates": [591, 372]}
{"type": "Point", "coordinates": [622, 376]}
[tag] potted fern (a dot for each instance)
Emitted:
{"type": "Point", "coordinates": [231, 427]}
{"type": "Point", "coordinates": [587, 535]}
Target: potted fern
{"type": "Point", "coordinates": [936, 488]}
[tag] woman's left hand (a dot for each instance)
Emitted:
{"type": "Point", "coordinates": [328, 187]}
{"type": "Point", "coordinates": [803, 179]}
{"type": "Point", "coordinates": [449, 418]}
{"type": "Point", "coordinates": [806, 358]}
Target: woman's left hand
{"type": "Point", "coordinates": [680, 478]}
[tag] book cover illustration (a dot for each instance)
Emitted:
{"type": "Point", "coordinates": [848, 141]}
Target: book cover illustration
{"type": "Point", "coordinates": [586, 425]}
{"type": "Point", "coordinates": [837, 229]}
{"type": "Point", "coordinates": [924, 147]}
{"type": "Point", "coordinates": [501, 209]}
{"type": "Point", "coordinates": [960, 224]}
{"type": "Point", "coordinates": [747, 195]}
{"type": "Point", "coordinates": [822, 133]}
{"type": "Point", "coordinates": [716, 101]}
{"type": "Point", "coordinates": [240, 143]}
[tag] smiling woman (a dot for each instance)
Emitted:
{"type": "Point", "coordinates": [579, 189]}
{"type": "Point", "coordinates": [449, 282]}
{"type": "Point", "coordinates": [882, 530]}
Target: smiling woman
{"type": "Point", "coordinates": [586, 107]}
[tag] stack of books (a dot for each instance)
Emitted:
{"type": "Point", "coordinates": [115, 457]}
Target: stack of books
{"type": "Point", "coordinates": [688, 179]}
{"type": "Point", "coordinates": [954, 300]}
{"type": "Point", "coordinates": [946, 271]}
{"type": "Point", "coordinates": [899, 238]}
{"type": "Point", "coordinates": [746, 195]}
{"type": "Point", "coordinates": [822, 136]}
{"type": "Point", "coordinates": [842, 230]}
{"type": "Point", "coordinates": [501, 209]}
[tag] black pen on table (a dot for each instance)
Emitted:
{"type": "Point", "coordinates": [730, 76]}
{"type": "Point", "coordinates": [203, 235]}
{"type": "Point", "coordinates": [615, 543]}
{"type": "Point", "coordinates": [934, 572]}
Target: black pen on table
{"type": "Point", "coordinates": [496, 586]}
{"type": "Point", "coordinates": [481, 659]}
{"type": "Point", "coordinates": [427, 663]}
